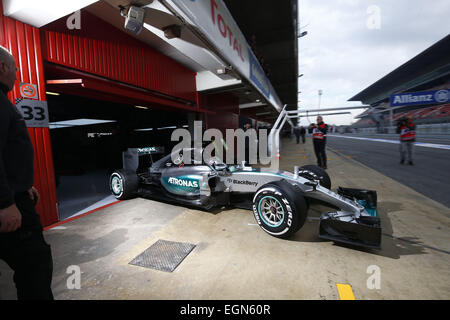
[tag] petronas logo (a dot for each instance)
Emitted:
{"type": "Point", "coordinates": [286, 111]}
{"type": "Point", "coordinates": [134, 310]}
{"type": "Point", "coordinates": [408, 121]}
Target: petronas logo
{"type": "Point", "coordinates": [183, 182]}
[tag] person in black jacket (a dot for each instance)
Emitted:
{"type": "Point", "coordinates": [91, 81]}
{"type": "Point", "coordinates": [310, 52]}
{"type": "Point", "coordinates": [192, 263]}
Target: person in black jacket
{"type": "Point", "coordinates": [22, 245]}
{"type": "Point", "coordinates": [302, 133]}
{"type": "Point", "coordinates": [297, 134]}
{"type": "Point", "coordinates": [319, 132]}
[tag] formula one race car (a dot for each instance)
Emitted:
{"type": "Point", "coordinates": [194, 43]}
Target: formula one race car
{"type": "Point", "coordinates": [279, 199]}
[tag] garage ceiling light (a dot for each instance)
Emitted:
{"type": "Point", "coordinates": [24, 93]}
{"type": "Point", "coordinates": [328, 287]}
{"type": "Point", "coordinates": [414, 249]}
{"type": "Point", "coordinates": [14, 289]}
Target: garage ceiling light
{"type": "Point", "coordinates": [77, 122]}
{"type": "Point", "coordinates": [141, 107]}
{"type": "Point", "coordinates": [52, 93]}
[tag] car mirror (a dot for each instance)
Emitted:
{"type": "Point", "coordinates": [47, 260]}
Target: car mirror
{"type": "Point", "coordinates": [312, 184]}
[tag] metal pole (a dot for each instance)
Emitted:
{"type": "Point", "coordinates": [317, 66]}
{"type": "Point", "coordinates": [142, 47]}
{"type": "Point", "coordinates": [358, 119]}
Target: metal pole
{"type": "Point", "coordinates": [320, 95]}
{"type": "Point", "coordinates": [274, 131]}
{"type": "Point", "coordinates": [391, 118]}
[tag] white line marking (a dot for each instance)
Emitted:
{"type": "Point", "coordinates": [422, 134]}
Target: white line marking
{"type": "Point", "coordinates": [58, 228]}
{"type": "Point", "coordinates": [419, 144]}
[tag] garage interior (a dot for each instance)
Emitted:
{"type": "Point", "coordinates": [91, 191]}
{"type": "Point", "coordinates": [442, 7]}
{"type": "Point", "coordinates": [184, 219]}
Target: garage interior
{"type": "Point", "coordinates": [88, 137]}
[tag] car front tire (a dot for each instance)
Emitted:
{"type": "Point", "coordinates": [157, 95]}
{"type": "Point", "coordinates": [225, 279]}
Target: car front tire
{"type": "Point", "coordinates": [279, 209]}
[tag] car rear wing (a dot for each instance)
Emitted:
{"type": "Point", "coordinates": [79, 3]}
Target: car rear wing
{"type": "Point", "coordinates": [134, 158]}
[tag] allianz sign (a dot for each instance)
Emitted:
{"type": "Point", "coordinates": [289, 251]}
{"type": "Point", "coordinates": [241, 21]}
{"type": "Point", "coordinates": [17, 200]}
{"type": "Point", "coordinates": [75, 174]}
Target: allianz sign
{"type": "Point", "coordinates": [419, 98]}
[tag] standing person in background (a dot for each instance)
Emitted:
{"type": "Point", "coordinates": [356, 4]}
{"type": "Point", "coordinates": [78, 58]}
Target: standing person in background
{"type": "Point", "coordinates": [22, 244]}
{"type": "Point", "coordinates": [407, 130]}
{"type": "Point", "coordinates": [319, 132]}
{"type": "Point", "coordinates": [297, 133]}
{"type": "Point", "coordinates": [302, 133]}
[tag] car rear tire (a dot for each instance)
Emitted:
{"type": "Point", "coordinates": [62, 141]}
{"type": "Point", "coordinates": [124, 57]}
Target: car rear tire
{"type": "Point", "coordinates": [123, 184]}
{"type": "Point", "coordinates": [279, 209]}
{"type": "Point", "coordinates": [322, 175]}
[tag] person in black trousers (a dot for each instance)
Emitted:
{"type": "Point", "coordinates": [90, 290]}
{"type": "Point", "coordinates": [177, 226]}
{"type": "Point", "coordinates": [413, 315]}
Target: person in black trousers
{"type": "Point", "coordinates": [297, 134]}
{"type": "Point", "coordinates": [22, 244]}
{"type": "Point", "coordinates": [407, 130]}
{"type": "Point", "coordinates": [319, 132]}
{"type": "Point", "coordinates": [302, 133]}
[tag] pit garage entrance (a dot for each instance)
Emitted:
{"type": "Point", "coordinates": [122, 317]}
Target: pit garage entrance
{"type": "Point", "coordinates": [89, 138]}
{"type": "Point", "coordinates": [106, 92]}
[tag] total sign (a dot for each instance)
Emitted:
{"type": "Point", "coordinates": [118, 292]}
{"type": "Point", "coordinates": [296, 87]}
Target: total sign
{"type": "Point", "coordinates": [420, 98]}
{"type": "Point", "coordinates": [213, 20]}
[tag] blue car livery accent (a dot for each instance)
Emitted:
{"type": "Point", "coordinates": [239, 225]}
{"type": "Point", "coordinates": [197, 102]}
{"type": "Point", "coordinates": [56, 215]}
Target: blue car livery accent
{"type": "Point", "coordinates": [372, 210]}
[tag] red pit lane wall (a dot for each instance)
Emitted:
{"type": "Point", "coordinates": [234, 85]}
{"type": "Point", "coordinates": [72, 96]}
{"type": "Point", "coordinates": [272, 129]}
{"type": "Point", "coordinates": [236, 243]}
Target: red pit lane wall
{"type": "Point", "coordinates": [101, 49]}
{"type": "Point", "coordinates": [24, 43]}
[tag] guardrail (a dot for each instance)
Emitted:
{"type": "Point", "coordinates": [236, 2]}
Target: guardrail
{"type": "Point", "coordinates": [422, 129]}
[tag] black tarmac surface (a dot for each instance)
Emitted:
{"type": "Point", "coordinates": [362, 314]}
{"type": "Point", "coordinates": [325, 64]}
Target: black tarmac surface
{"type": "Point", "coordinates": [430, 174]}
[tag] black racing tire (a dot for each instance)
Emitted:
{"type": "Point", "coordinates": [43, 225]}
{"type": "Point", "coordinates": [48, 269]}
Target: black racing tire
{"type": "Point", "coordinates": [323, 176]}
{"type": "Point", "coordinates": [286, 206]}
{"type": "Point", "coordinates": [124, 184]}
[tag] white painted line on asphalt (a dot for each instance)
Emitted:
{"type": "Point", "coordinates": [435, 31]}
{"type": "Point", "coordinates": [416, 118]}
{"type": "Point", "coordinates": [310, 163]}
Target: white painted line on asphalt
{"type": "Point", "coordinates": [109, 199]}
{"type": "Point", "coordinates": [59, 228]}
{"type": "Point", "coordinates": [419, 144]}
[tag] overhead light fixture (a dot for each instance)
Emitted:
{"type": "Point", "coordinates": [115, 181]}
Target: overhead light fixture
{"type": "Point", "coordinates": [134, 19]}
{"type": "Point", "coordinates": [228, 70]}
{"type": "Point", "coordinates": [164, 128]}
{"type": "Point", "coordinates": [221, 71]}
{"type": "Point", "coordinates": [141, 107]}
{"type": "Point", "coordinates": [258, 100]}
{"type": "Point", "coordinates": [52, 93]}
{"type": "Point", "coordinates": [78, 122]}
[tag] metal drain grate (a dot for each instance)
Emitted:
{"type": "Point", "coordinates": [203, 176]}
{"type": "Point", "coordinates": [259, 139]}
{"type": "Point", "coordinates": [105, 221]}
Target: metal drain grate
{"type": "Point", "coordinates": [163, 255]}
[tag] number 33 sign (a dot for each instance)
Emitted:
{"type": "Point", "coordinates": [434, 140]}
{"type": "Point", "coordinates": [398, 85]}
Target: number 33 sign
{"type": "Point", "coordinates": [34, 112]}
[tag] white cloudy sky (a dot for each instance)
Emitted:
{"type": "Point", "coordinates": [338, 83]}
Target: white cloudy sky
{"type": "Point", "coordinates": [342, 56]}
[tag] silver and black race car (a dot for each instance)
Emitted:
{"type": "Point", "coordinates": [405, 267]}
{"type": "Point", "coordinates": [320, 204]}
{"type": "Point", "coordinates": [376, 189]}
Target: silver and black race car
{"type": "Point", "coordinates": [279, 199]}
